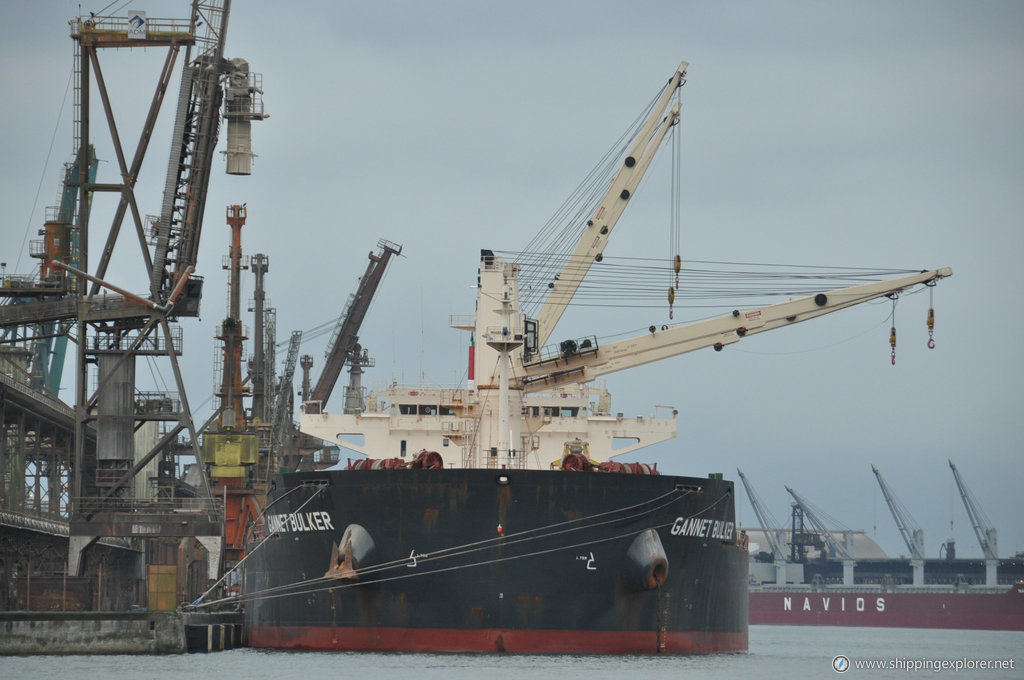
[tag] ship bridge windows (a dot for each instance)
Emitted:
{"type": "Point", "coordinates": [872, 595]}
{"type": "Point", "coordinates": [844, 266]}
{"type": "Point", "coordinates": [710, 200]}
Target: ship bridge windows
{"type": "Point", "coordinates": [562, 411]}
{"type": "Point", "coordinates": [424, 410]}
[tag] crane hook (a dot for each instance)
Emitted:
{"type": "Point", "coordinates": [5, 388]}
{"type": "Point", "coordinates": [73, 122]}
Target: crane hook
{"type": "Point", "coordinates": [931, 327]}
{"type": "Point", "coordinates": [892, 331]}
{"type": "Point", "coordinates": [931, 315]}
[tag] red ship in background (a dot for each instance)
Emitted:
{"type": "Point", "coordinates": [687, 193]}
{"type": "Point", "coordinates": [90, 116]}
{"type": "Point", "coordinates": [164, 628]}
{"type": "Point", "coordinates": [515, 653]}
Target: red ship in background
{"type": "Point", "coordinates": [968, 608]}
{"type": "Point", "coordinates": [842, 578]}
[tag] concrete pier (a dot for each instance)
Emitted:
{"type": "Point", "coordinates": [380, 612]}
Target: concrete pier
{"type": "Point", "coordinates": [26, 633]}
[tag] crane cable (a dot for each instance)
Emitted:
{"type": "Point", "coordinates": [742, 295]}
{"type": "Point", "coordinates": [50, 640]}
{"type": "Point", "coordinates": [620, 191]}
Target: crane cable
{"type": "Point", "coordinates": [549, 250]}
{"type": "Point", "coordinates": [675, 219]}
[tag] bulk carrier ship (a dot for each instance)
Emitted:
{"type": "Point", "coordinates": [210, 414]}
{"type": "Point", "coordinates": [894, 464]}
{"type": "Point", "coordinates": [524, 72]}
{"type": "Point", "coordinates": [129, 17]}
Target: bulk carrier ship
{"type": "Point", "coordinates": [491, 517]}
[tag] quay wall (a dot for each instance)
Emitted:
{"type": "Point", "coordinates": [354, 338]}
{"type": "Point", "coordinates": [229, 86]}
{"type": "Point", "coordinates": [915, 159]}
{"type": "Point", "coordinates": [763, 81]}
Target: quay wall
{"type": "Point", "coordinates": [30, 633]}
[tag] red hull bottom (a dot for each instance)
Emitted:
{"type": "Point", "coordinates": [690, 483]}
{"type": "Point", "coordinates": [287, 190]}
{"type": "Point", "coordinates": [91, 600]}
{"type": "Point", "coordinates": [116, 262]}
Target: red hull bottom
{"type": "Point", "coordinates": [494, 640]}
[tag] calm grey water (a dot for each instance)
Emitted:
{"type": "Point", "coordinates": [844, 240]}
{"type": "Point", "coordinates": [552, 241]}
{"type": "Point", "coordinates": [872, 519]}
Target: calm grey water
{"type": "Point", "coordinates": [789, 652]}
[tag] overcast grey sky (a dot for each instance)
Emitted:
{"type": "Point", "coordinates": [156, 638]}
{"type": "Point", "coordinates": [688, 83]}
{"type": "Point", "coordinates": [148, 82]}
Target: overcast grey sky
{"type": "Point", "coordinates": [867, 134]}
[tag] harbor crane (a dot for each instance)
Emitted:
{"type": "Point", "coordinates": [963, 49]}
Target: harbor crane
{"type": "Point", "coordinates": [772, 533]}
{"type": "Point", "coordinates": [843, 550]}
{"type": "Point", "coordinates": [983, 528]}
{"type": "Point", "coordinates": [281, 411]}
{"type": "Point", "coordinates": [114, 330]}
{"type": "Point", "coordinates": [344, 343]}
{"type": "Point", "coordinates": [911, 532]}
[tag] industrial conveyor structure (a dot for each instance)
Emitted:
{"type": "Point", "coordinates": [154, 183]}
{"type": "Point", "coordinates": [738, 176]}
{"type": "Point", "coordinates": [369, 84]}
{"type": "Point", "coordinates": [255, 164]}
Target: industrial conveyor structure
{"type": "Point", "coordinates": [79, 297]}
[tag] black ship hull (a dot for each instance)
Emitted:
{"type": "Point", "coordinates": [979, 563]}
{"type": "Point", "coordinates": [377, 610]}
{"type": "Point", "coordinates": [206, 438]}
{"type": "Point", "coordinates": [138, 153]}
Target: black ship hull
{"type": "Point", "coordinates": [497, 560]}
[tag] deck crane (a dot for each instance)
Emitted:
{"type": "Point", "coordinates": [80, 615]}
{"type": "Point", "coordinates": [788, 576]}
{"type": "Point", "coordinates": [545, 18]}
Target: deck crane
{"type": "Point", "coordinates": [344, 342]}
{"type": "Point", "coordinates": [843, 550]}
{"type": "Point", "coordinates": [581, 364]}
{"type": "Point", "coordinates": [770, 525]}
{"type": "Point", "coordinates": [983, 528]}
{"type": "Point", "coordinates": [911, 532]}
{"type": "Point", "coordinates": [538, 370]}
{"type": "Point", "coordinates": [499, 419]}
{"type": "Point", "coordinates": [610, 208]}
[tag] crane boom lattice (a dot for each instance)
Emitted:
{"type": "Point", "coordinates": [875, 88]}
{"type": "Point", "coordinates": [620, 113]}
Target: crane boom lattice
{"type": "Point", "coordinates": [346, 333]}
{"type": "Point", "coordinates": [983, 527]}
{"type": "Point", "coordinates": [910, 530]}
{"type": "Point", "coordinates": [764, 516]}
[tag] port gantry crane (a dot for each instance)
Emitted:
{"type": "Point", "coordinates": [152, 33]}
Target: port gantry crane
{"type": "Point", "coordinates": [911, 532]}
{"type": "Point", "coordinates": [843, 550]}
{"type": "Point", "coordinates": [114, 329]}
{"type": "Point", "coordinates": [770, 526]}
{"type": "Point", "coordinates": [983, 528]}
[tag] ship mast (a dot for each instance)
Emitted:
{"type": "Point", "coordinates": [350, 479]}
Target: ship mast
{"type": "Point", "coordinates": [505, 340]}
